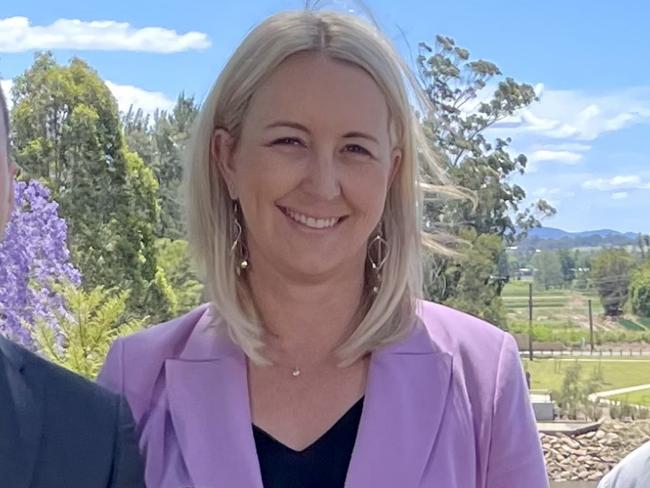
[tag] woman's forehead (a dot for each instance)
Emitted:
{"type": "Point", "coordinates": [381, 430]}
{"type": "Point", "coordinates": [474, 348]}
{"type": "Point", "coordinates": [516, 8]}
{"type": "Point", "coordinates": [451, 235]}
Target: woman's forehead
{"type": "Point", "coordinates": [315, 89]}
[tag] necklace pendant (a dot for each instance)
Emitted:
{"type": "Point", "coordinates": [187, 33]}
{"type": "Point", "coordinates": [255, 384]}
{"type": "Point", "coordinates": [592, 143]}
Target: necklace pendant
{"type": "Point", "coordinates": [296, 372]}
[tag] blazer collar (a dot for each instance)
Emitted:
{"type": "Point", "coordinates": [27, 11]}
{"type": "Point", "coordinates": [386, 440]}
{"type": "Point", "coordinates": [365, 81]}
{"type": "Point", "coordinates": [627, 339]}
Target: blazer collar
{"type": "Point", "coordinates": [207, 387]}
{"type": "Point", "coordinates": [406, 393]}
{"type": "Point", "coordinates": [21, 416]}
{"type": "Point", "coordinates": [407, 388]}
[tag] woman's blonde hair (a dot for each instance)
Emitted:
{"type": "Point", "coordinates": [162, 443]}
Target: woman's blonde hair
{"type": "Point", "coordinates": [388, 315]}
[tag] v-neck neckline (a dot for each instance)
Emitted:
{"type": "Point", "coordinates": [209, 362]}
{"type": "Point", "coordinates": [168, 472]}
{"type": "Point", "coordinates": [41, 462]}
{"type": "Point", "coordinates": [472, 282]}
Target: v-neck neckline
{"type": "Point", "coordinates": [354, 410]}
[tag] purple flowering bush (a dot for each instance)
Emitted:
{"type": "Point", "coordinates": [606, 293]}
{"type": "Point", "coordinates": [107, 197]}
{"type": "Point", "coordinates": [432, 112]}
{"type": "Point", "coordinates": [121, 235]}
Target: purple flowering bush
{"type": "Point", "coordinates": [34, 258]}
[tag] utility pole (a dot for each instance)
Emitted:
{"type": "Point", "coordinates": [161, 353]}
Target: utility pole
{"type": "Point", "coordinates": [530, 321]}
{"type": "Point", "coordinates": [591, 327]}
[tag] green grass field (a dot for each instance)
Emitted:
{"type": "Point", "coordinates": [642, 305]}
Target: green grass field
{"type": "Point", "coordinates": [549, 305]}
{"type": "Point", "coordinates": [547, 374]}
{"type": "Point", "coordinates": [561, 309]}
{"type": "Point", "coordinates": [631, 325]}
{"type": "Point", "coordinates": [641, 397]}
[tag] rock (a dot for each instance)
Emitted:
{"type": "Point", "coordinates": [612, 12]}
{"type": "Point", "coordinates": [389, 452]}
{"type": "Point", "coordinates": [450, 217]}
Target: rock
{"type": "Point", "coordinates": [589, 456]}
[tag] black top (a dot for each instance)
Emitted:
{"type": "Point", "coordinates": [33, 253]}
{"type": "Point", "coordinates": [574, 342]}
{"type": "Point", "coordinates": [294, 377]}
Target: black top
{"type": "Point", "coordinates": [324, 464]}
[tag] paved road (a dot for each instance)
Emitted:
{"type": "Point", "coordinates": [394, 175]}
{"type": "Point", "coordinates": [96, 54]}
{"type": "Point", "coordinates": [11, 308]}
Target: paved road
{"type": "Point", "coordinates": [603, 395]}
{"type": "Point", "coordinates": [621, 391]}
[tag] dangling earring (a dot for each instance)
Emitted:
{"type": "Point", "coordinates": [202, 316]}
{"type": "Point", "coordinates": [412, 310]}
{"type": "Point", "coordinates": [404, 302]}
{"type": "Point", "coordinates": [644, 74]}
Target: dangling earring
{"type": "Point", "coordinates": [238, 247]}
{"type": "Point", "coordinates": [378, 250]}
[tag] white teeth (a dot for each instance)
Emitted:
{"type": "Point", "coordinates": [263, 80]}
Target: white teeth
{"type": "Point", "coordinates": [311, 221]}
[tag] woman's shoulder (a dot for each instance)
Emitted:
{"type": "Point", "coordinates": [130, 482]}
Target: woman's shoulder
{"type": "Point", "coordinates": [454, 331]}
{"type": "Point", "coordinates": [485, 359]}
{"type": "Point", "coordinates": [167, 338]}
{"type": "Point", "coordinates": [134, 362]}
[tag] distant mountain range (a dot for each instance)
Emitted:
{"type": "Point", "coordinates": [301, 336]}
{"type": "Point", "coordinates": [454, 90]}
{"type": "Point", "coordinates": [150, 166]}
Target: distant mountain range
{"type": "Point", "coordinates": [552, 238]}
{"type": "Point", "coordinates": [552, 233]}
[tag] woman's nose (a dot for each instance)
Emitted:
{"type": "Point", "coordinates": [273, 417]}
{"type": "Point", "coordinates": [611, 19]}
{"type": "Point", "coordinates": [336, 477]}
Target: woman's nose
{"type": "Point", "coordinates": [324, 177]}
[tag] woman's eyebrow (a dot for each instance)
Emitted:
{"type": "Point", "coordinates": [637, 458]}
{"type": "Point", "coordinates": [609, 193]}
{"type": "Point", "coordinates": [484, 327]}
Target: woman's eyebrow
{"type": "Point", "coordinates": [286, 123]}
{"type": "Point", "coordinates": [361, 135]}
{"type": "Point", "coordinates": [300, 127]}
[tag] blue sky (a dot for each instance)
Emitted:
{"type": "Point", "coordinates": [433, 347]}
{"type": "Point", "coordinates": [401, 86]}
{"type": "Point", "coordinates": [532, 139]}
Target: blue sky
{"type": "Point", "coordinates": [587, 138]}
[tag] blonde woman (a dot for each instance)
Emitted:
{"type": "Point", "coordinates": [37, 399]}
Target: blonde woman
{"type": "Point", "coordinates": [315, 364]}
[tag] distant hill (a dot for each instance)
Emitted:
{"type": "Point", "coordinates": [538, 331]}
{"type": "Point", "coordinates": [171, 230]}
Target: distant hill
{"type": "Point", "coordinates": [552, 238]}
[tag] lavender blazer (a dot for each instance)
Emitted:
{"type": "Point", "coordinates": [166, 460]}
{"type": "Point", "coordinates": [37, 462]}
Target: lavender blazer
{"type": "Point", "coordinates": [446, 407]}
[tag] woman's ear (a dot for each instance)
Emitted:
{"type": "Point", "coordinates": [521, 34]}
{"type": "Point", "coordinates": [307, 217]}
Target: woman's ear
{"type": "Point", "coordinates": [396, 163]}
{"type": "Point", "coordinates": [221, 154]}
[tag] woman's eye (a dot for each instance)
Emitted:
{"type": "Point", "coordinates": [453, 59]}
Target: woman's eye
{"type": "Point", "coordinates": [291, 141]}
{"type": "Point", "coordinates": [355, 148]}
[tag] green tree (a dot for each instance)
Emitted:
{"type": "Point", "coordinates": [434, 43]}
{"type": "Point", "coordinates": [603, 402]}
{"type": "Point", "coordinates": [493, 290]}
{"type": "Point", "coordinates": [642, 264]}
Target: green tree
{"type": "Point", "coordinates": [175, 262]}
{"type": "Point", "coordinates": [161, 142]}
{"type": "Point", "coordinates": [86, 329]}
{"type": "Point", "coordinates": [640, 291]}
{"type": "Point", "coordinates": [610, 275]}
{"type": "Point", "coordinates": [573, 399]}
{"type": "Point", "coordinates": [583, 270]}
{"type": "Point", "coordinates": [568, 264]}
{"type": "Point", "coordinates": [473, 276]}
{"type": "Point", "coordinates": [67, 132]}
{"type": "Point", "coordinates": [548, 269]}
{"type": "Point", "coordinates": [457, 125]}
{"type": "Point", "coordinates": [643, 242]}
{"type": "Point", "coordinates": [137, 134]}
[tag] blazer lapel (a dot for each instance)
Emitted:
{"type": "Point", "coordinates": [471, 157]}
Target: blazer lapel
{"type": "Point", "coordinates": [21, 409]}
{"type": "Point", "coordinates": [210, 410]}
{"type": "Point", "coordinates": [406, 394]}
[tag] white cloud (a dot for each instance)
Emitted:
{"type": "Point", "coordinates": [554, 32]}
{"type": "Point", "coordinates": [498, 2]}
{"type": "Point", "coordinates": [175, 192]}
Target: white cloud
{"type": "Point", "coordinates": [620, 182]}
{"type": "Point", "coordinates": [148, 101]}
{"type": "Point", "coordinates": [579, 116]}
{"type": "Point", "coordinates": [126, 96]}
{"type": "Point", "coordinates": [620, 195]}
{"type": "Point", "coordinates": [18, 35]}
{"type": "Point", "coordinates": [565, 157]}
{"type": "Point", "coordinates": [540, 192]}
{"type": "Point", "coordinates": [563, 153]}
{"type": "Point", "coordinates": [570, 146]}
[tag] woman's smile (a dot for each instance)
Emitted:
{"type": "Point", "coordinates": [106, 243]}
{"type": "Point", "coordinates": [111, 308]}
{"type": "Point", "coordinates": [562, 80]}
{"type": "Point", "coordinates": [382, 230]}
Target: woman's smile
{"type": "Point", "coordinates": [310, 222]}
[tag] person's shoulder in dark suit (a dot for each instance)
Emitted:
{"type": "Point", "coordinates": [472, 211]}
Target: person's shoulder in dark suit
{"type": "Point", "coordinates": [59, 430]}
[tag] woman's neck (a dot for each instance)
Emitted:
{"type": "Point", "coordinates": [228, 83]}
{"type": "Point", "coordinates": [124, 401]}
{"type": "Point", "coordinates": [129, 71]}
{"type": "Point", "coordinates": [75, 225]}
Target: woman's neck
{"type": "Point", "coordinates": [307, 319]}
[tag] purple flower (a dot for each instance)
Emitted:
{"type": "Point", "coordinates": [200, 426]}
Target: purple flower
{"type": "Point", "coordinates": [33, 258]}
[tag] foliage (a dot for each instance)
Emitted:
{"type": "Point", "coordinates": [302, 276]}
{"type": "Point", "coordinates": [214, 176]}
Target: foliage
{"type": "Point", "coordinates": [33, 258]}
{"type": "Point", "coordinates": [461, 115]}
{"type": "Point", "coordinates": [457, 124]}
{"type": "Point", "coordinates": [160, 142]}
{"type": "Point", "coordinates": [573, 399]}
{"type": "Point", "coordinates": [610, 275]}
{"type": "Point", "coordinates": [542, 332]}
{"type": "Point", "coordinates": [86, 328]}
{"type": "Point", "coordinates": [574, 336]}
{"type": "Point", "coordinates": [548, 270]}
{"type": "Point", "coordinates": [568, 260]}
{"type": "Point", "coordinates": [67, 132]}
{"type": "Point", "coordinates": [173, 258]}
{"type": "Point", "coordinates": [470, 280]}
{"type": "Point", "coordinates": [624, 411]}
{"type": "Point", "coordinates": [640, 291]}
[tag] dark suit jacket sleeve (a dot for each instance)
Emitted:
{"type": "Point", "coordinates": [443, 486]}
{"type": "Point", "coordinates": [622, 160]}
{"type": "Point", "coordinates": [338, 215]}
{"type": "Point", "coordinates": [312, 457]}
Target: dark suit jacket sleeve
{"type": "Point", "coordinates": [128, 469]}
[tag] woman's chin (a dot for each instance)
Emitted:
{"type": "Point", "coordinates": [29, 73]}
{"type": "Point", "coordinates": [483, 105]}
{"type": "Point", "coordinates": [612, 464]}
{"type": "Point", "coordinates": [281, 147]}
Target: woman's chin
{"type": "Point", "coordinates": [312, 267]}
